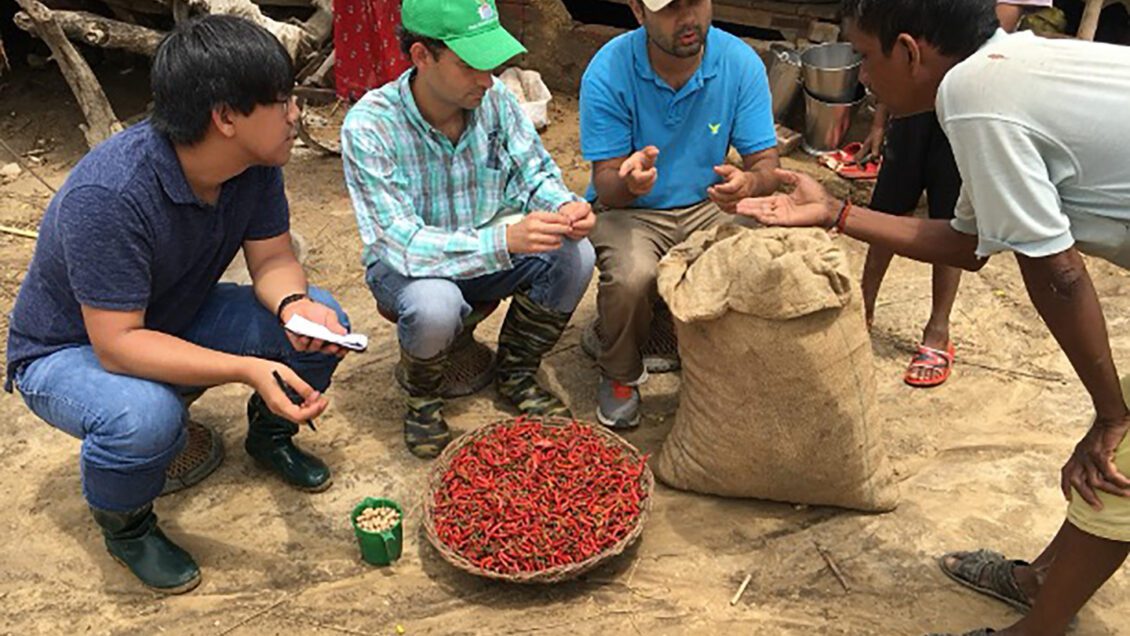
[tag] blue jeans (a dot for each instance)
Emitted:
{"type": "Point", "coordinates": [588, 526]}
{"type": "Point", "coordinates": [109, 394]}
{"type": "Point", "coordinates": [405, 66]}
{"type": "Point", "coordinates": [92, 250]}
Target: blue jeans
{"type": "Point", "coordinates": [430, 311]}
{"type": "Point", "coordinates": [132, 428]}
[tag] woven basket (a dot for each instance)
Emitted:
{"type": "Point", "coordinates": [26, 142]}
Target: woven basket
{"type": "Point", "coordinates": [549, 575]}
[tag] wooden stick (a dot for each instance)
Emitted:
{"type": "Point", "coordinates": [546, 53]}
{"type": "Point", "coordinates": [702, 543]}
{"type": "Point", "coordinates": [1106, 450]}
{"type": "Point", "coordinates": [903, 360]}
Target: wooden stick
{"type": "Point", "coordinates": [256, 614]}
{"type": "Point", "coordinates": [1046, 377]}
{"type": "Point", "coordinates": [3, 57]}
{"type": "Point", "coordinates": [7, 229]}
{"type": "Point", "coordinates": [741, 589]}
{"type": "Point", "coordinates": [832, 566]}
{"type": "Point", "coordinates": [320, 76]}
{"type": "Point", "coordinates": [24, 165]}
{"type": "Point", "coordinates": [313, 96]}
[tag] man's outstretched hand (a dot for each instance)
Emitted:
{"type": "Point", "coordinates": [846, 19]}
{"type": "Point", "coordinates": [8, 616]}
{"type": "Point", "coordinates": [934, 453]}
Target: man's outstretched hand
{"type": "Point", "coordinates": [808, 205]}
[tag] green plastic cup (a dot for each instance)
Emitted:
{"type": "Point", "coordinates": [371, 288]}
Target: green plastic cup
{"type": "Point", "coordinates": [379, 548]}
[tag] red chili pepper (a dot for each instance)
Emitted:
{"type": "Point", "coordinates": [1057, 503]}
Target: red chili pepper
{"type": "Point", "coordinates": [527, 497]}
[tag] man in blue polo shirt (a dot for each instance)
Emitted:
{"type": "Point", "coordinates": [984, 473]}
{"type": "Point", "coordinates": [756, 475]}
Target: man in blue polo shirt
{"type": "Point", "coordinates": [120, 316]}
{"type": "Point", "coordinates": [660, 108]}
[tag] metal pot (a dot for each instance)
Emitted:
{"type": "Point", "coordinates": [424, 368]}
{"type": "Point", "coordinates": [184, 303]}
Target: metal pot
{"type": "Point", "coordinates": [826, 123]}
{"type": "Point", "coordinates": [831, 71]}
{"type": "Point", "coordinates": [784, 78]}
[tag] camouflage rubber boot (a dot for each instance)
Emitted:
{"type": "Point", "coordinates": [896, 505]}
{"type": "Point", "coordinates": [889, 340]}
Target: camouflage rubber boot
{"type": "Point", "coordinates": [528, 333]}
{"type": "Point", "coordinates": [425, 431]}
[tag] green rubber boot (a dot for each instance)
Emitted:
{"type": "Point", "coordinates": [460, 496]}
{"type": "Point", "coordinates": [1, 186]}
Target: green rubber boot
{"type": "Point", "coordinates": [135, 541]}
{"type": "Point", "coordinates": [425, 431]}
{"type": "Point", "coordinates": [269, 444]}
{"type": "Point", "coordinates": [528, 333]}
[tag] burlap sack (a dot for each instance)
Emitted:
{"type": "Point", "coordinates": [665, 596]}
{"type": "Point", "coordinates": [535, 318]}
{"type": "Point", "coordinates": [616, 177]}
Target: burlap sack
{"type": "Point", "coordinates": [778, 393]}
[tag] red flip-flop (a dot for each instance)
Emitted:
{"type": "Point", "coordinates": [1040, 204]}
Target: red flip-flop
{"type": "Point", "coordinates": [932, 359]}
{"type": "Point", "coordinates": [843, 163]}
{"type": "Point", "coordinates": [842, 156]}
{"type": "Point", "coordinates": [866, 170]}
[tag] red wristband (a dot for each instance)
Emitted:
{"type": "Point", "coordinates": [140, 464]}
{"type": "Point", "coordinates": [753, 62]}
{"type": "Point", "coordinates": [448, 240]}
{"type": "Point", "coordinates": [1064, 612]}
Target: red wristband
{"type": "Point", "coordinates": [841, 219]}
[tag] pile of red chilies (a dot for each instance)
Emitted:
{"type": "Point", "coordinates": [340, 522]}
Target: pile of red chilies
{"type": "Point", "coordinates": [528, 497]}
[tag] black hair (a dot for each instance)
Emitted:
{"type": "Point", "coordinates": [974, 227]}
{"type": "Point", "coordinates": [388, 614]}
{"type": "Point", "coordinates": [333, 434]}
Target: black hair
{"type": "Point", "coordinates": [212, 61]}
{"type": "Point", "coordinates": [408, 38]}
{"type": "Point", "coordinates": [957, 28]}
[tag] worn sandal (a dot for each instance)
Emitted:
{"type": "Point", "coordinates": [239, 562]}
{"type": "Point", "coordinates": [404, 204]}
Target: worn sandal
{"type": "Point", "coordinates": [932, 359]}
{"type": "Point", "coordinates": [988, 573]}
{"type": "Point", "coordinates": [850, 162]}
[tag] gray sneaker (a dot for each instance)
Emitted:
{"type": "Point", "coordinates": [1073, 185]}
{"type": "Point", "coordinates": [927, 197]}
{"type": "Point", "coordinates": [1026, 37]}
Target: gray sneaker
{"type": "Point", "coordinates": [618, 404]}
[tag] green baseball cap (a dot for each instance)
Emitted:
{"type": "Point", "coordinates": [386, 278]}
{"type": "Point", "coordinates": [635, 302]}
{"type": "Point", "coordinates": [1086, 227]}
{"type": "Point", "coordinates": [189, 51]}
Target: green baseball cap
{"type": "Point", "coordinates": [470, 28]}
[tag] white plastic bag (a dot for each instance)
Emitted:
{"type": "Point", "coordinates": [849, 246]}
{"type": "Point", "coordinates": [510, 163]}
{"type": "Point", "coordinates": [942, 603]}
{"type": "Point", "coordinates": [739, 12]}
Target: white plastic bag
{"type": "Point", "coordinates": [532, 93]}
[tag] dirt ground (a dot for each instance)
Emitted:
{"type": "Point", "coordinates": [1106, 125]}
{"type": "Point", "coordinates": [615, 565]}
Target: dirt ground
{"type": "Point", "coordinates": [978, 460]}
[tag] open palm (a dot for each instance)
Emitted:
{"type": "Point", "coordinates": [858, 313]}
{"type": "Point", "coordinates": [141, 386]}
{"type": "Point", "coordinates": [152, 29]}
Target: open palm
{"type": "Point", "coordinates": [807, 205]}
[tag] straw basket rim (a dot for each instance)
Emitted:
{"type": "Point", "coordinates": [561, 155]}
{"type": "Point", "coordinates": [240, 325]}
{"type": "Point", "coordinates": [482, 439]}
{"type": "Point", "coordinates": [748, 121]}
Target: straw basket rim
{"type": "Point", "coordinates": [554, 574]}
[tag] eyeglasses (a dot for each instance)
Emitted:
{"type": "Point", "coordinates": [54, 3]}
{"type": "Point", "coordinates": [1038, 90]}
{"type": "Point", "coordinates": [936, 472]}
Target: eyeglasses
{"type": "Point", "coordinates": [287, 102]}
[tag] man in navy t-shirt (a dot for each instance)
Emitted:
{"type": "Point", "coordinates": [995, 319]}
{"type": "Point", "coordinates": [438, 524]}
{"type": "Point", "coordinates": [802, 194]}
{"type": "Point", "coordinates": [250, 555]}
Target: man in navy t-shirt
{"type": "Point", "coordinates": [660, 108]}
{"type": "Point", "coordinates": [120, 316]}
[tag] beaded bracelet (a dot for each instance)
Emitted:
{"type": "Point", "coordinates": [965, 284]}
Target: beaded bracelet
{"type": "Point", "coordinates": [288, 300]}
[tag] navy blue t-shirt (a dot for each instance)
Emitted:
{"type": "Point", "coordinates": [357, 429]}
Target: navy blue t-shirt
{"type": "Point", "coordinates": [125, 233]}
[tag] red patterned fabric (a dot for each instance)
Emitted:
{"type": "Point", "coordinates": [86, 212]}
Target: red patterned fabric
{"type": "Point", "coordinates": [366, 50]}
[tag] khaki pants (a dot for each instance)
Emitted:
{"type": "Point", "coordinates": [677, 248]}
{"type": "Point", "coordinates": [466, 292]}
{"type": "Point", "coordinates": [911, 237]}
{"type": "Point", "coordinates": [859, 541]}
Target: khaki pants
{"type": "Point", "coordinates": [1113, 521]}
{"type": "Point", "coordinates": [629, 244]}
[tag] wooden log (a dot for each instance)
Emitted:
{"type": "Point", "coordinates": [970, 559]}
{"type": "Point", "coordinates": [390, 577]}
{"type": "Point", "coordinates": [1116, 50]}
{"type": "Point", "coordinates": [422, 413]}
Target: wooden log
{"type": "Point", "coordinates": [310, 95]}
{"type": "Point", "coordinates": [100, 31]}
{"type": "Point", "coordinates": [320, 26]}
{"type": "Point", "coordinates": [293, 37]}
{"type": "Point", "coordinates": [101, 122]}
{"type": "Point", "coordinates": [1089, 23]}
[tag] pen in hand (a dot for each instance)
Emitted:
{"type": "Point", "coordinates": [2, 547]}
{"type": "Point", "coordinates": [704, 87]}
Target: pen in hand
{"type": "Point", "coordinates": [292, 395]}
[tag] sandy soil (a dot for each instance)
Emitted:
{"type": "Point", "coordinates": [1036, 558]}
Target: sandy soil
{"type": "Point", "coordinates": [978, 460]}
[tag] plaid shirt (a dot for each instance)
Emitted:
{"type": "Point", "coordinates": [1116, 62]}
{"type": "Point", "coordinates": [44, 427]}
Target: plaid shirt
{"type": "Point", "coordinates": [428, 208]}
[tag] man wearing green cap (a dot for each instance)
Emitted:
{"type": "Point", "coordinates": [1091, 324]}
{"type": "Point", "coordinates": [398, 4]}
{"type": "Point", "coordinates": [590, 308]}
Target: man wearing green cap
{"type": "Point", "coordinates": [458, 202]}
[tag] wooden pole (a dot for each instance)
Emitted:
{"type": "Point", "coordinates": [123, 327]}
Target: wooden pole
{"type": "Point", "coordinates": [101, 122]}
{"type": "Point", "coordinates": [1089, 24]}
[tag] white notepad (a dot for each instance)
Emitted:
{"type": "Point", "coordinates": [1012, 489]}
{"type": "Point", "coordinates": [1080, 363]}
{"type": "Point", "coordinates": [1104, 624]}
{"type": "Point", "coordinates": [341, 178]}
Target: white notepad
{"type": "Point", "coordinates": [303, 327]}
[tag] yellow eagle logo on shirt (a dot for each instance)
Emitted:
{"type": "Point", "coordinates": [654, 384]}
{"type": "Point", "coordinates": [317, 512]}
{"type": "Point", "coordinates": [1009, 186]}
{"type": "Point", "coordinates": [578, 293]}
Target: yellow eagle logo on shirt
{"type": "Point", "coordinates": [714, 128]}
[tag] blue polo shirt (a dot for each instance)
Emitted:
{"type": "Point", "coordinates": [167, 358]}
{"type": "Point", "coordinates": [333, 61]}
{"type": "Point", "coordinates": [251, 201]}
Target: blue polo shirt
{"type": "Point", "coordinates": [625, 107]}
{"type": "Point", "coordinates": [126, 232]}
